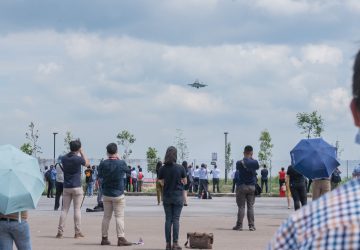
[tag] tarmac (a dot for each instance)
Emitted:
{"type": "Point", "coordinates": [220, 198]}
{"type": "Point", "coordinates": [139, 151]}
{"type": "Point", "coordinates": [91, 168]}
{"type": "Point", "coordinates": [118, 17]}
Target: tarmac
{"type": "Point", "coordinates": [145, 219]}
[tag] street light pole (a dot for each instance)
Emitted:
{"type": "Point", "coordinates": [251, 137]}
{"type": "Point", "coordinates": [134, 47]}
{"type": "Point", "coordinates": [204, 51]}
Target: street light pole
{"type": "Point", "coordinates": [55, 133]}
{"type": "Point", "coordinates": [226, 162]}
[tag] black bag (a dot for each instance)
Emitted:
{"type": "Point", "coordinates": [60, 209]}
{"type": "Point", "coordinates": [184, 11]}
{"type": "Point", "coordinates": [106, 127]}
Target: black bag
{"type": "Point", "coordinates": [200, 240]}
{"type": "Point", "coordinates": [206, 196]}
{"type": "Point", "coordinates": [258, 189]}
{"type": "Point", "coordinates": [336, 178]}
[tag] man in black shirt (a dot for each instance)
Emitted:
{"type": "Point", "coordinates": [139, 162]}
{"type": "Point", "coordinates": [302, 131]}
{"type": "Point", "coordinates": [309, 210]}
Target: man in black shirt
{"type": "Point", "coordinates": [297, 187]}
{"type": "Point", "coordinates": [264, 178]}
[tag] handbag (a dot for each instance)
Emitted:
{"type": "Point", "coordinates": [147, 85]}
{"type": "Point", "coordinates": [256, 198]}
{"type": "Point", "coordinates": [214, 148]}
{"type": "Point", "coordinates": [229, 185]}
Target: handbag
{"type": "Point", "coordinates": [200, 240]}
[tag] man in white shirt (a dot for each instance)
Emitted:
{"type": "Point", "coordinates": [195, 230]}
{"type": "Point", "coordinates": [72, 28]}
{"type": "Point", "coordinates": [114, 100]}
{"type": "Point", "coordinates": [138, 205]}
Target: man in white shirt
{"type": "Point", "coordinates": [196, 179]}
{"type": "Point", "coordinates": [203, 178]}
{"type": "Point", "coordinates": [216, 178]}
{"type": "Point", "coordinates": [134, 179]}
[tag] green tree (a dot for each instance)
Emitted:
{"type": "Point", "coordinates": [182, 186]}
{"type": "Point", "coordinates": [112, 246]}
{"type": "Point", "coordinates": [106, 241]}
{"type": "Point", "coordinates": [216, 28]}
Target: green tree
{"type": "Point", "coordinates": [181, 146]}
{"type": "Point", "coordinates": [33, 137]}
{"type": "Point", "coordinates": [126, 140]}
{"type": "Point", "coordinates": [27, 148]}
{"type": "Point", "coordinates": [311, 124]}
{"type": "Point", "coordinates": [265, 152]}
{"type": "Point", "coordinates": [152, 159]}
{"type": "Point", "coordinates": [68, 138]}
{"type": "Point", "coordinates": [228, 163]}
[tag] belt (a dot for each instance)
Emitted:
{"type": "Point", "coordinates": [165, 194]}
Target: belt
{"type": "Point", "coordinates": [8, 219]}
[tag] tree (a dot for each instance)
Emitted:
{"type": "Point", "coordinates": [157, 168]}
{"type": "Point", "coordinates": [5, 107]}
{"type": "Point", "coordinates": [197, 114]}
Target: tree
{"type": "Point", "coordinates": [68, 138]}
{"type": "Point", "coordinates": [312, 124]}
{"type": "Point", "coordinates": [228, 162]}
{"type": "Point", "coordinates": [33, 137]}
{"type": "Point", "coordinates": [26, 148]}
{"type": "Point", "coordinates": [265, 153]}
{"type": "Point", "coordinates": [126, 139]}
{"type": "Point", "coordinates": [181, 146]}
{"type": "Point", "coordinates": [152, 159]}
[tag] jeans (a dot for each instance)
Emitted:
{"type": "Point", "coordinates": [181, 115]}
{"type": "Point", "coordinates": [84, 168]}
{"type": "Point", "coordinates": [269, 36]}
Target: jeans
{"type": "Point", "coordinates": [59, 191]}
{"type": "Point", "coordinates": [172, 217]}
{"type": "Point", "coordinates": [196, 184]}
{"type": "Point", "coordinates": [116, 205]}
{"type": "Point", "coordinates": [90, 188]}
{"type": "Point", "coordinates": [13, 231]}
{"type": "Point", "coordinates": [245, 194]}
{"type": "Point", "coordinates": [266, 184]}
{"type": "Point", "coordinates": [298, 192]}
{"type": "Point", "coordinates": [75, 195]}
{"type": "Point", "coordinates": [216, 182]}
{"type": "Point", "coordinates": [50, 188]}
{"type": "Point", "coordinates": [139, 185]}
{"type": "Point", "coordinates": [134, 184]}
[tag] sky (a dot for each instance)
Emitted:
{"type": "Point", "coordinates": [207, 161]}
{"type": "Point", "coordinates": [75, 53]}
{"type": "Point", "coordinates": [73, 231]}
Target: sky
{"type": "Point", "coordinates": [96, 68]}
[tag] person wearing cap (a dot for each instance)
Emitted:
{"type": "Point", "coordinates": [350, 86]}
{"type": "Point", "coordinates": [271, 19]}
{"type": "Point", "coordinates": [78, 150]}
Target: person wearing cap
{"type": "Point", "coordinates": [333, 220]}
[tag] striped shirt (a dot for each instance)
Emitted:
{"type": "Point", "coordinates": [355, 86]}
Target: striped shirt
{"type": "Point", "coordinates": [331, 222]}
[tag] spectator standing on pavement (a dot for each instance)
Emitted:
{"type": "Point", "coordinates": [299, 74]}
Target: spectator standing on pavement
{"type": "Point", "coordinates": [297, 187]}
{"type": "Point", "coordinates": [94, 178]}
{"type": "Point", "coordinates": [47, 177]}
{"type": "Point", "coordinates": [128, 180]}
{"type": "Point", "coordinates": [190, 178]}
{"type": "Point", "coordinates": [186, 187]}
{"type": "Point", "coordinates": [204, 181]}
{"type": "Point", "coordinates": [335, 179]}
{"type": "Point", "coordinates": [140, 178]}
{"type": "Point", "coordinates": [112, 172]}
{"type": "Point", "coordinates": [88, 180]}
{"type": "Point", "coordinates": [159, 187]}
{"type": "Point", "coordinates": [73, 191]}
{"type": "Point", "coordinates": [216, 178]}
{"type": "Point", "coordinates": [59, 184]}
{"type": "Point", "coordinates": [245, 188]}
{"type": "Point", "coordinates": [264, 178]}
{"type": "Point", "coordinates": [196, 179]}
{"type": "Point", "coordinates": [282, 175]}
{"type": "Point", "coordinates": [173, 177]}
{"type": "Point", "coordinates": [134, 179]}
{"type": "Point", "coordinates": [333, 220]}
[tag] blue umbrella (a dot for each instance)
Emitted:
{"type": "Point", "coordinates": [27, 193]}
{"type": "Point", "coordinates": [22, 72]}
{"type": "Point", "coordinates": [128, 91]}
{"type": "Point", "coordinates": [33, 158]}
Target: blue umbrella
{"type": "Point", "coordinates": [314, 158]}
{"type": "Point", "coordinates": [21, 182]}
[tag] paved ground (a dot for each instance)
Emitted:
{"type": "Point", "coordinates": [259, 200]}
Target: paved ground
{"type": "Point", "coordinates": [146, 220]}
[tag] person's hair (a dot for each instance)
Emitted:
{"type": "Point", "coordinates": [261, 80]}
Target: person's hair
{"type": "Point", "coordinates": [171, 155]}
{"type": "Point", "coordinates": [75, 145]}
{"type": "Point", "coordinates": [158, 165]}
{"type": "Point", "coordinates": [215, 166]}
{"type": "Point", "coordinates": [46, 167]}
{"type": "Point", "coordinates": [264, 166]}
{"type": "Point", "coordinates": [203, 165]}
{"type": "Point", "coordinates": [356, 81]}
{"type": "Point", "coordinates": [111, 148]}
{"type": "Point", "coordinates": [282, 169]}
{"type": "Point", "coordinates": [185, 164]}
{"type": "Point", "coordinates": [197, 166]}
{"type": "Point", "coordinates": [248, 149]}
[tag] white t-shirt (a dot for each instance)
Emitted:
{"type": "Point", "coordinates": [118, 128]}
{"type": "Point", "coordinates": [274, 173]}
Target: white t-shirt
{"type": "Point", "coordinates": [216, 173]}
{"type": "Point", "coordinates": [134, 174]}
{"type": "Point", "coordinates": [197, 173]}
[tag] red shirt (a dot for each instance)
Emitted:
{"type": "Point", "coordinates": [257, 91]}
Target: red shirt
{"type": "Point", "coordinates": [282, 175]}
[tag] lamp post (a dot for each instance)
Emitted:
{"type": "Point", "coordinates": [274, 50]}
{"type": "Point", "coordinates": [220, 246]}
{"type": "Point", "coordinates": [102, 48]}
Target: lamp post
{"type": "Point", "coordinates": [226, 161]}
{"type": "Point", "coordinates": [54, 133]}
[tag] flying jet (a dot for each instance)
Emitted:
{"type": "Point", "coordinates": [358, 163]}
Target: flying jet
{"type": "Point", "coordinates": [197, 84]}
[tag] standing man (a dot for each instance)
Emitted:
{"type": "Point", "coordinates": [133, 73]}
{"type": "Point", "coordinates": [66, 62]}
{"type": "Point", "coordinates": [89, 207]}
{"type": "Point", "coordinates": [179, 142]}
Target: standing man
{"type": "Point", "coordinates": [52, 180]}
{"type": "Point", "coordinates": [203, 177]}
{"type": "Point", "coordinates": [216, 178]}
{"type": "Point", "coordinates": [134, 179]}
{"type": "Point", "coordinates": [140, 178]}
{"type": "Point", "coordinates": [112, 172]}
{"type": "Point", "coordinates": [264, 178]}
{"type": "Point", "coordinates": [196, 179]}
{"type": "Point", "coordinates": [88, 180]}
{"type": "Point", "coordinates": [335, 179]}
{"type": "Point", "coordinates": [245, 188]}
{"type": "Point", "coordinates": [73, 191]}
{"type": "Point", "coordinates": [58, 184]}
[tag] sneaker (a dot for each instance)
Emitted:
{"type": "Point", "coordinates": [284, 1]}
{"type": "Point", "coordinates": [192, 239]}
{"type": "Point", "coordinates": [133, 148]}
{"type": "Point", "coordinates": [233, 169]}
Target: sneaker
{"type": "Point", "coordinates": [59, 235]}
{"type": "Point", "coordinates": [252, 228]}
{"type": "Point", "coordinates": [123, 242]}
{"type": "Point", "coordinates": [79, 235]}
{"type": "Point", "coordinates": [105, 241]}
{"type": "Point", "coordinates": [237, 228]}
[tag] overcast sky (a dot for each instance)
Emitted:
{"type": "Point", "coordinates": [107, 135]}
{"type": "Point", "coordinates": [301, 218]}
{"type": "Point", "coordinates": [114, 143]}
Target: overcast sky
{"type": "Point", "coordinates": [97, 67]}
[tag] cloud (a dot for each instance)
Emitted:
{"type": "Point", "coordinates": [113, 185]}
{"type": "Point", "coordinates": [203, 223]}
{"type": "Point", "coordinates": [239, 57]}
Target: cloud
{"type": "Point", "coordinates": [322, 54]}
{"type": "Point", "coordinates": [49, 68]}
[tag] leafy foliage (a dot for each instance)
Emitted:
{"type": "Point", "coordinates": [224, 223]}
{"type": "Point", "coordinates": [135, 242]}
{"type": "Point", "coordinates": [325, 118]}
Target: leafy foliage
{"type": "Point", "coordinates": [265, 152]}
{"type": "Point", "coordinates": [126, 140]}
{"type": "Point", "coordinates": [152, 159]}
{"type": "Point", "coordinates": [228, 162]}
{"type": "Point", "coordinates": [33, 137]}
{"type": "Point", "coordinates": [312, 124]}
{"type": "Point", "coordinates": [68, 138]}
{"type": "Point", "coordinates": [181, 145]}
{"type": "Point", "coordinates": [27, 148]}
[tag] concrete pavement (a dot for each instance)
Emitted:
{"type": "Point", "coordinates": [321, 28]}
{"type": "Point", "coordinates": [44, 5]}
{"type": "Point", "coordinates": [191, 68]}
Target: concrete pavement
{"type": "Point", "coordinates": [145, 219]}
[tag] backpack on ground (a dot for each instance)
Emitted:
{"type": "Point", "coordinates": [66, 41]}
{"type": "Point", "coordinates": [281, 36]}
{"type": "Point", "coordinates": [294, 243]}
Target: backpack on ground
{"type": "Point", "coordinates": [199, 240]}
{"type": "Point", "coordinates": [206, 196]}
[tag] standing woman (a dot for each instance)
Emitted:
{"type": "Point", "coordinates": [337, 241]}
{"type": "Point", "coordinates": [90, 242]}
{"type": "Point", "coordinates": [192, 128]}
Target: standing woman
{"type": "Point", "coordinates": [186, 187]}
{"type": "Point", "coordinates": [173, 177]}
{"type": "Point", "coordinates": [159, 187]}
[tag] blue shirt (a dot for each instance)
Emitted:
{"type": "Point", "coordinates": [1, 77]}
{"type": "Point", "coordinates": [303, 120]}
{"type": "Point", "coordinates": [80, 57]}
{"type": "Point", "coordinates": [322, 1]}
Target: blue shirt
{"type": "Point", "coordinates": [72, 170]}
{"type": "Point", "coordinates": [111, 172]}
{"type": "Point", "coordinates": [246, 173]}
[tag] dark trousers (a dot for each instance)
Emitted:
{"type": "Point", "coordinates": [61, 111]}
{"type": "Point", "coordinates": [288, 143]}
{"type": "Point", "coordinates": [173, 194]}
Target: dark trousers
{"type": "Point", "coordinates": [309, 185]}
{"type": "Point", "coordinates": [203, 187]}
{"type": "Point", "coordinates": [50, 189]}
{"type": "Point", "coordinates": [134, 184]}
{"type": "Point", "coordinates": [298, 192]}
{"type": "Point", "coordinates": [233, 186]}
{"type": "Point", "coordinates": [245, 194]}
{"type": "Point", "coordinates": [216, 182]}
{"type": "Point", "coordinates": [172, 217]}
{"type": "Point", "coordinates": [196, 184]}
{"type": "Point", "coordinates": [59, 190]}
{"type": "Point", "coordinates": [191, 186]}
{"type": "Point", "coordinates": [266, 184]}
{"type": "Point", "coordinates": [127, 184]}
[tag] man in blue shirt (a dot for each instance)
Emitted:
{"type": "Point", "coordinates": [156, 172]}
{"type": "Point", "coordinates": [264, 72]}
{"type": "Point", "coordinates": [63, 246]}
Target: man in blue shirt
{"type": "Point", "coordinates": [112, 172]}
{"type": "Point", "coordinates": [245, 178]}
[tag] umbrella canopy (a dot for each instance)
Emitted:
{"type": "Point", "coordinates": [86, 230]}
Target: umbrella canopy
{"type": "Point", "coordinates": [21, 182]}
{"type": "Point", "coordinates": [314, 158]}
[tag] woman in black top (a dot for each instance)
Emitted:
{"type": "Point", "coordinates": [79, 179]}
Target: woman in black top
{"type": "Point", "coordinates": [173, 177]}
{"type": "Point", "coordinates": [159, 187]}
{"type": "Point", "coordinates": [297, 187]}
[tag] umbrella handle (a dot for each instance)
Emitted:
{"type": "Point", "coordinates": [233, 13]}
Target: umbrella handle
{"type": "Point", "coordinates": [84, 195]}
